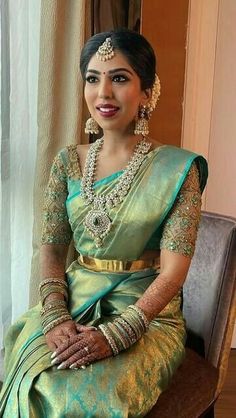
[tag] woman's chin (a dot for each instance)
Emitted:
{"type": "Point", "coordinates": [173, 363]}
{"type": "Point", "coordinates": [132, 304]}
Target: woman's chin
{"type": "Point", "coordinates": [116, 125]}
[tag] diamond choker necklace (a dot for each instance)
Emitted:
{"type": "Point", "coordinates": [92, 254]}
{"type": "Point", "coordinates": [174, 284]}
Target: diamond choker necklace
{"type": "Point", "coordinates": [97, 222]}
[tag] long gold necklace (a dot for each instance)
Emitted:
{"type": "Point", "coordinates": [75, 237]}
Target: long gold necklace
{"type": "Point", "coordinates": [97, 222]}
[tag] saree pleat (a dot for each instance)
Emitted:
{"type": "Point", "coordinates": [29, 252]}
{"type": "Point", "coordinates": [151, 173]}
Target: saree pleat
{"type": "Point", "coordinates": [129, 384]}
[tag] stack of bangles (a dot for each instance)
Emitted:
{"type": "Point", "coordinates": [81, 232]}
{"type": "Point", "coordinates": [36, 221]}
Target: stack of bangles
{"type": "Point", "coordinates": [53, 312]}
{"type": "Point", "coordinates": [126, 329]}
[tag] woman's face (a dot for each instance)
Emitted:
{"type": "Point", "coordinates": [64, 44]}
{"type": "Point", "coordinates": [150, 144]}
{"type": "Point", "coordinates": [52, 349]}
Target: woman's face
{"type": "Point", "coordinates": [113, 92]}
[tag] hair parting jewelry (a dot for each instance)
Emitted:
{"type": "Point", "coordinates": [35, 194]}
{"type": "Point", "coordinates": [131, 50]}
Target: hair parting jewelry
{"type": "Point", "coordinates": [105, 51]}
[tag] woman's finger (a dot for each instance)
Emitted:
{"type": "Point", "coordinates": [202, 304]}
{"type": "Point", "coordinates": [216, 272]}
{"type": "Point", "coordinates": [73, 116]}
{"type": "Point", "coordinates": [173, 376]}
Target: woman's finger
{"type": "Point", "coordinates": [66, 354]}
{"type": "Point", "coordinates": [84, 328]}
{"type": "Point", "coordinates": [70, 332]}
{"type": "Point", "coordinates": [59, 341]}
{"type": "Point", "coordinates": [68, 348]}
{"type": "Point", "coordinates": [79, 359]}
{"type": "Point", "coordinates": [83, 351]}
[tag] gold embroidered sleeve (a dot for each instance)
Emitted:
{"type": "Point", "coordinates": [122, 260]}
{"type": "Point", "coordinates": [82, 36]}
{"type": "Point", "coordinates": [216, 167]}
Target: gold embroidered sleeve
{"type": "Point", "coordinates": [180, 229]}
{"type": "Point", "coordinates": [56, 227]}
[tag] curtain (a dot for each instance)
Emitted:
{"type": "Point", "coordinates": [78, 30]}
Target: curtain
{"type": "Point", "coordinates": [19, 32]}
{"type": "Point", "coordinates": [112, 14]}
{"type": "Point", "coordinates": [65, 26]}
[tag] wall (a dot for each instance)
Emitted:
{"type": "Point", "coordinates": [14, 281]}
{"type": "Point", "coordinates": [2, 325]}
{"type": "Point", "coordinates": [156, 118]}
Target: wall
{"type": "Point", "coordinates": [164, 24]}
{"type": "Point", "coordinates": [209, 122]}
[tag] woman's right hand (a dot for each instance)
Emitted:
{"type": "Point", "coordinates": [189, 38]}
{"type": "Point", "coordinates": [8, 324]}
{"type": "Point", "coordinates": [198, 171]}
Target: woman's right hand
{"type": "Point", "coordinates": [60, 334]}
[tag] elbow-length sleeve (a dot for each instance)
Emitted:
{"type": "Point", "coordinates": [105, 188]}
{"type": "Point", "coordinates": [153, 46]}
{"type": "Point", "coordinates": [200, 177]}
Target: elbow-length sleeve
{"type": "Point", "coordinates": [180, 228]}
{"type": "Point", "coordinates": [56, 227]}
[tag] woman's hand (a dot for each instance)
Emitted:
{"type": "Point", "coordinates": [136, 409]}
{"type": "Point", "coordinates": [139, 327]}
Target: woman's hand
{"type": "Point", "coordinates": [60, 334]}
{"type": "Point", "coordinates": [78, 351]}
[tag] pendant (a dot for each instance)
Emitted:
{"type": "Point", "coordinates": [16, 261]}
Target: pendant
{"type": "Point", "coordinates": [98, 224]}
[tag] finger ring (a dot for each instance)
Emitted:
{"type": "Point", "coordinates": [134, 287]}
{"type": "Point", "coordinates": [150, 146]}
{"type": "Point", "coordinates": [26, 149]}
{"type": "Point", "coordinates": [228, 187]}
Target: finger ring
{"type": "Point", "coordinates": [86, 349]}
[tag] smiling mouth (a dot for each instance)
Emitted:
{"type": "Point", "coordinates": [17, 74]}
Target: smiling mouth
{"type": "Point", "coordinates": [107, 111]}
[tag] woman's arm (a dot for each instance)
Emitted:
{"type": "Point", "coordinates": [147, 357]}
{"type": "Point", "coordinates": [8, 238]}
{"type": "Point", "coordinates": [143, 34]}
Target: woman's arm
{"type": "Point", "coordinates": [56, 235]}
{"type": "Point", "coordinates": [174, 269]}
{"type": "Point", "coordinates": [177, 247]}
{"type": "Point", "coordinates": [52, 264]}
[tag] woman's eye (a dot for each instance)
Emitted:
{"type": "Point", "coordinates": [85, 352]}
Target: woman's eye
{"type": "Point", "coordinates": [119, 78]}
{"type": "Point", "coordinates": [91, 79]}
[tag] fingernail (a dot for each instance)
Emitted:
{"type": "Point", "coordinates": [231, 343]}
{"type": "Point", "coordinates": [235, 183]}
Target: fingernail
{"type": "Point", "coordinates": [61, 366]}
{"type": "Point", "coordinates": [55, 361]}
{"type": "Point", "coordinates": [73, 366]}
{"type": "Point", "coordinates": [54, 354]}
{"type": "Point", "coordinates": [83, 367]}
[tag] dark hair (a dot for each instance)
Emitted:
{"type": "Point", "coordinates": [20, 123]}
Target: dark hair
{"type": "Point", "coordinates": [137, 50]}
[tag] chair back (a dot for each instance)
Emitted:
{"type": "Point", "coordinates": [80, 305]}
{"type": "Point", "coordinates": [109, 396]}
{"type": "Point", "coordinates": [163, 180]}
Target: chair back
{"type": "Point", "coordinates": [209, 291]}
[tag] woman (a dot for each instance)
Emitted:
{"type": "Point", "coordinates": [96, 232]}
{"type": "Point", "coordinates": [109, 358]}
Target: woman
{"type": "Point", "coordinates": [109, 334]}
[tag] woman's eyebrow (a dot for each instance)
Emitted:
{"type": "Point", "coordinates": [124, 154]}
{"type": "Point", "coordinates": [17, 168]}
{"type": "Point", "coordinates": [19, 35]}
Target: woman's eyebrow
{"type": "Point", "coordinates": [90, 70]}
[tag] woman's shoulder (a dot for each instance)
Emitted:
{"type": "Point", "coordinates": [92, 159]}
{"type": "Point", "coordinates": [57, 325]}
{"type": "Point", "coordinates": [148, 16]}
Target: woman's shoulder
{"type": "Point", "coordinates": [182, 160]}
{"type": "Point", "coordinates": [171, 150]}
{"type": "Point", "coordinates": [70, 156]}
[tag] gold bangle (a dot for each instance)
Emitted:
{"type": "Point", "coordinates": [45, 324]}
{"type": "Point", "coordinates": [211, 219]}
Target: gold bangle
{"type": "Point", "coordinates": [56, 322]}
{"type": "Point", "coordinates": [48, 280]}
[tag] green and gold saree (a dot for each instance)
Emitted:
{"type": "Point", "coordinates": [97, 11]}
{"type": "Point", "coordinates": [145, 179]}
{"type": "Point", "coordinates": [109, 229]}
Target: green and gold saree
{"type": "Point", "coordinates": [161, 210]}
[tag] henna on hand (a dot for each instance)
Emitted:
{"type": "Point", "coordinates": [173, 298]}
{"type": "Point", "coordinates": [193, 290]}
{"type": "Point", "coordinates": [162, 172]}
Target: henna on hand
{"type": "Point", "coordinates": [81, 350]}
{"type": "Point", "coordinates": [158, 295]}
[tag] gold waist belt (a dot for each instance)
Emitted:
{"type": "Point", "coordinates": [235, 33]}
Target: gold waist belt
{"type": "Point", "coordinates": [118, 265]}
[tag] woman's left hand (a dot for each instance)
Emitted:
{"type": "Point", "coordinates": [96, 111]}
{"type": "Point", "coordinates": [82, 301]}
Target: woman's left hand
{"type": "Point", "coordinates": [82, 349]}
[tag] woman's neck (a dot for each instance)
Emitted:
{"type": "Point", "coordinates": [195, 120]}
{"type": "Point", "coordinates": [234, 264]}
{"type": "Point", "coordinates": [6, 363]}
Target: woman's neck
{"type": "Point", "coordinates": [118, 142]}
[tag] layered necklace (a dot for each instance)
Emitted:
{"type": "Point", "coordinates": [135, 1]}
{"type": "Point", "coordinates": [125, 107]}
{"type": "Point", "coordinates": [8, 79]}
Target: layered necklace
{"type": "Point", "coordinates": [97, 222]}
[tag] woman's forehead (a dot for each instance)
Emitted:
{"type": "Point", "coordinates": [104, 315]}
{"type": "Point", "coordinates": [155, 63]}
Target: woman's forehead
{"type": "Point", "coordinates": [118, 61]}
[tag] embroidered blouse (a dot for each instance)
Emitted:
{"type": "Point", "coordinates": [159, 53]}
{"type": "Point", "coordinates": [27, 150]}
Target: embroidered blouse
{"type": "Point", "coordinates": [180, 227]}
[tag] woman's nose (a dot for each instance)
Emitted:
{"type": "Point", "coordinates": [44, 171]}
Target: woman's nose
{"type": "Point", "coordinates": [105, 89]}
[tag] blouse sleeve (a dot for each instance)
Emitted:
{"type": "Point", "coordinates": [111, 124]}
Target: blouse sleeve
{"type": "Point", "coordinates": [180, 228]}
{"type": "Point", "coordinates": [56, 227]}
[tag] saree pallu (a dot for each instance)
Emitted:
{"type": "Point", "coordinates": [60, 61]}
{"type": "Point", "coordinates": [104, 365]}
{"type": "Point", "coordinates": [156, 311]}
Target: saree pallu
{"type": "Point", "coordinates": [129, 384]}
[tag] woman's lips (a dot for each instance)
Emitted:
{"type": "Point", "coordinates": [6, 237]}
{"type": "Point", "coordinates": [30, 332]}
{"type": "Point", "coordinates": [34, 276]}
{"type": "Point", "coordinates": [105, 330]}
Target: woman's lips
{"type": "Point", "coordinates": [107, 111]}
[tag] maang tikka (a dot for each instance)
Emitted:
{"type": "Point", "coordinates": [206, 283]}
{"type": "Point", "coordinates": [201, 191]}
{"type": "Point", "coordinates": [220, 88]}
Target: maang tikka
{"type": "Point", "coordinates": [105, 52]}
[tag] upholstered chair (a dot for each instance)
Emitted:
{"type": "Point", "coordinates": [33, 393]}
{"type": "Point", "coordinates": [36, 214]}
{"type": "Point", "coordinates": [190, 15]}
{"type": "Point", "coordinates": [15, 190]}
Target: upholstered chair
{"type": "Point", "coordinates": [209, 305]}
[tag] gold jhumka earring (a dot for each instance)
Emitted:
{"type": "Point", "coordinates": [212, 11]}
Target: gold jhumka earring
{"type": "Point", "coordinates": [104, 53]}
{"type": "Point", "coordinates": [145, 111]}
{"type": "Point", "coordinates": [91, 126]}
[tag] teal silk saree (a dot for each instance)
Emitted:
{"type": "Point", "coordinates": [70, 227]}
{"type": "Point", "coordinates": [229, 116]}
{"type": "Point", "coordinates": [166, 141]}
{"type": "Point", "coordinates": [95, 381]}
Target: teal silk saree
{"type": "Point", "coordinates": [129, 384]}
